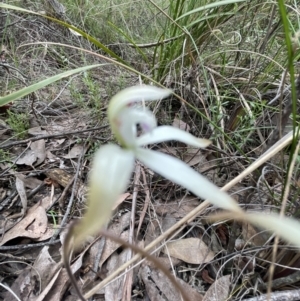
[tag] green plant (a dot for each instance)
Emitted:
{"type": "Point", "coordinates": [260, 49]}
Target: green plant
{"type": "Point", "coordinates": [188, 27]}
{"type": "Point", "coordinates": [78, 31]}
{"type": "Point", "coordinates": [4, 156]}
{"type": "Point", "coordinates": [53, 214]}
{"type": "Point", "coordinates": [19, 123]}
{"type": "Point", "coordinates": [77, 96]}
{"type": "Point", "coordinates": [94, 91]}
{"type": "Point", "coordinates": [88, 96]}
{"type": "Point", "coordinates": [27, 90]}
{"type": "Point", "coordinates": [94, 147]}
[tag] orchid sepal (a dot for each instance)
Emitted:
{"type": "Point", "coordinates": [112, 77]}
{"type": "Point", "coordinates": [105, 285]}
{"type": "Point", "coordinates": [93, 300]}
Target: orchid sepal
{"type": "Point", "coordinates": [286, 227]}
{"type": "Point", "coordinates": [178, 172]}
{"type": "Point", "coordinates": [167, 133]}
{"type": "Point", "coordinates": [112, 168]}
{"type": "Point", "coordinates": [131, 95]}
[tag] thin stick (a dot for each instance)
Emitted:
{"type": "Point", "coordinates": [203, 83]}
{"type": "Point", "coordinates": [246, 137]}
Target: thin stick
{"type": "Point", "coordinates": [146, 202]}
{"type": "Point", "coordinates": [291, 295]}
{"type": "Point", "coordinates": [128, 278]}
{"type": "Point", "coordinates": [53, 136]}
{"type": "Point", "coordinates": [71, 201]}
{"type": "Point", "coordinates": [24, 247]}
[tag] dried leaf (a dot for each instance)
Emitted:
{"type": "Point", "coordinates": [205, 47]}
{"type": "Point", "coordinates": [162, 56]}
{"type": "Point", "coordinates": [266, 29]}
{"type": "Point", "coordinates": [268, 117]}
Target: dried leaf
{"type": "Point", "coordinates": [111, 247]}
{"type": "Point", "coordinates": [177, 123]}
{"type": "Point", "coordinates": [91, 258]}
{"type": "Point", "coordinates": [5, 165]}
{"type": "Point", "coordinates": [151, 288]}
{"type": "Point", "coordinates": [32, 183]}
{"type": "Point", "coordinates": [223, 235]}
{"type": "Point", "coordinates": [58, 288]}
{"type": "Point", "coordinates": [28, 159]}
{"type": "Point", "coordinates": [193, 156]}
{"type": "Point", "coordinates": [45, 266]}
{"type": "Point", "coordinates": [46, 203]}
{"type": "Point", "coordinates": [117, 228]}
{"type": "Point", "coordinates": [29, 182]}
{"type": "Point", "coordinates": [34, 225]}
{"type": "Point", "coordinates": [190, 250]}
{"type": "Point", "coordinates": [168, 261]}
{"type": "Point", "coordinates": [114, 290]}
{"type": "Point", "coordinates": [167, 222]}
{"type": "Point", "coordinates": [3, 193]}
{"type": "Point", "coordinates": [75, 151]}
{"type": "Point", "coordinates": [178, 208]}
{"type": "Point", "coordinates": [2, 132]}
{"type": "Point", "coordinates": [51, 157]}
{"type": "Point", "coordinates": [153, 231]}
{"type": "Point", "coordinates": [44, 293]}
{"type": "Point", "coordinates": [206, 277]}
{"type": "Point", "coordinates": [39, 149]}
{"type": "Point", "coordinates": [54, 128]}
{"type": "Point", "coordinates": [22, 286]}
{"type": "Point", "coordinates": [64, 126]}
{"type": "Point", "coordinates": [219, 290]}
{"type": "Point", "coordinates": [159, 287]}
{"type": "Point", "coordinates": [36, 131]}
{"type": "Point", "coordinates": [253, 235]}
{"type": "Point", "coordinates": [170, 151]}
{"type": "Point", "coordinates": [121, 199]}
{"type": "Point", "coordinates": [57, 143]}
{"type": "Point", "coordinates": [169, 291]}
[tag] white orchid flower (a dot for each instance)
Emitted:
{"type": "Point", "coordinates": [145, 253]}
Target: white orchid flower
{"type": "Point", "coordinates": [113, 165]}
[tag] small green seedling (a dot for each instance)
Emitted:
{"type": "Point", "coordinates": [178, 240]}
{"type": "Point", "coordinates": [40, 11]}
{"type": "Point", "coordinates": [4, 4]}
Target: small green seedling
{"type": "Point", "coordinates": [19, 123]}
{"type": "Point", "coordinates": [4, 156]}
{"type": "Point", "coordinates": [53, 214]}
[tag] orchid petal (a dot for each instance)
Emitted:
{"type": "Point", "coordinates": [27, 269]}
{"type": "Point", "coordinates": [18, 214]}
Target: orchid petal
{"type": "Point", "coordinates": [180, 173]}
{"type": "Point", "coordinates": [285, 227]}
{"type": "Point", "coordinates": [125, 128]}
{"type": "Point", "coordinates": [109, 177]}
{"type": "Point", "coordinates": [134, 94]}
{"type": "Point", "coordinates": [167, 133]}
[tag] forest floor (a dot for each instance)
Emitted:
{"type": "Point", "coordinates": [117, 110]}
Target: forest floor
{"type": "Point", "coordinates": [47, 142]}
